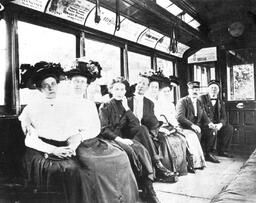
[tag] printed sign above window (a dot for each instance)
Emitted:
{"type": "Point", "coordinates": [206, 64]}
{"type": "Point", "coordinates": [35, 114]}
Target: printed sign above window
{"type": "Point", "coordinates": [204, 55]}
{"type": "Point", "coordinates": [38, 5]}
{"type": "Point", "coordinates": [130, 30]}
{"type": "Point", "coordinates": [75, 11]}
{"type": "Point", "coordinates": [107, 22]}
{"type": "Point", "coordinates": [150, 38]}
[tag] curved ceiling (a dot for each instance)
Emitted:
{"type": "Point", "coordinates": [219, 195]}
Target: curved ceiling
{"type": "Point", "coordinates": [229, 23]}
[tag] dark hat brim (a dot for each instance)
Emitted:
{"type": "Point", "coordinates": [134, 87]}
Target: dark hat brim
{"type": "Point", "coordinates": [214, 82]}
{"type": "Point", "coordinates": [44, 73]}
{"type": "Point", "coordinates": [193, 84]}
{"type": "Point", "coordinates": [165, 81]}
{"type": "Point", "coordinates": [91, 70]}
{"type": "Point", "coordinates": [74, 72]}
{"type": "Point", "coordinates": [174, 80]}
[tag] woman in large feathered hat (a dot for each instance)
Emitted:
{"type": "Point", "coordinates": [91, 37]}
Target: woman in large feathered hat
{"type": "Point", "coordinates": [52, 127]}
{"type": "Point", "coordinates": [97, 156]}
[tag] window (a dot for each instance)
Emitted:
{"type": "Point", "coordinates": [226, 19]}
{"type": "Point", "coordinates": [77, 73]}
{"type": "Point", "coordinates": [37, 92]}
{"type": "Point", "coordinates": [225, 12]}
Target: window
{"type": "Point", "coordinates": [203, 73]}
{"type": "Point", "coordinates": [38, 43]}
{"type": "Point", "coordinates": [166, 66]}
{"type": "Point", "coordinates": [137, 63]}
{"type": "Point", "coordinates": [3, 64]}
{"type": "Point", "coordinates": [107, 55]}
{"type": "Point", "coordinates": [241, 74]}
{"type": "Point", "coordinates": [241, 82]}
{"type": "Point", "coordinates": [168, 69]}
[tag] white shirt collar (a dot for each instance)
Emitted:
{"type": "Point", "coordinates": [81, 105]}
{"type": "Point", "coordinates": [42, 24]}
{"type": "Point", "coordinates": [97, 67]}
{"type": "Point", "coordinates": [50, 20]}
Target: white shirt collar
{"type": "Point", "coordinates": [138, 96]}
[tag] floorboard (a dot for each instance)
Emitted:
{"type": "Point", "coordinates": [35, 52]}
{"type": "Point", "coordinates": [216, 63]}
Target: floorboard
{"type": "Point", "coordinates": [202, 186]}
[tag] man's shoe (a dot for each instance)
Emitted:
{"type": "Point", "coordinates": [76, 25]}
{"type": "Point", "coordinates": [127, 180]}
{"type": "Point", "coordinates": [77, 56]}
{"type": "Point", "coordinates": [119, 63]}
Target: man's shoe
{"type": "Point", "coordinates": [210, 157]}
{"type": "Point", "coordinates": [225, 154]}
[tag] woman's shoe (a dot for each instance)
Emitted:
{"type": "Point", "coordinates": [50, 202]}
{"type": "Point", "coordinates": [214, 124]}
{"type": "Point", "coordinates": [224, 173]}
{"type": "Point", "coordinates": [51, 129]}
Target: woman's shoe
{"type": "Point", "coordinates": [149, 193]}
{"type": "Point", "coordinates": [190, 163]}
{"type": "Point", "coordinates": [191, 170]}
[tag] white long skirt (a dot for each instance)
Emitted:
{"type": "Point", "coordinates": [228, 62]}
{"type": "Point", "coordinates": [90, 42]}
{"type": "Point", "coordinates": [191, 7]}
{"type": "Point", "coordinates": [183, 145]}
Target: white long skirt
{"type": "Point", "coordinates": [195, 148]}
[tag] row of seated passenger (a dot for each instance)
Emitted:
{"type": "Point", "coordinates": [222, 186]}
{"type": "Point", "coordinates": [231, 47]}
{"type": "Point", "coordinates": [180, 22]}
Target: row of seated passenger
{"type": "Point", "coordinates": [106, 158]}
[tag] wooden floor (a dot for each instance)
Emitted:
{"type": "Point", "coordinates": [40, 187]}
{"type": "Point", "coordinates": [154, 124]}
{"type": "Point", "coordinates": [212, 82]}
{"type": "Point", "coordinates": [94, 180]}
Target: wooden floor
{"type": "Point", "coordinates": [202, 186]}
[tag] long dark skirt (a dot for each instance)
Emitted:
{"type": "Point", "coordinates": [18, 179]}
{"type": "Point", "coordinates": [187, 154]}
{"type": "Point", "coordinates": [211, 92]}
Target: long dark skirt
{"type": "Point", "coordinates": [48, 177]}
{"type": "Point", "coordinates": [107, 171]}
{"type": "Point", "coordinates": [173, 152]}
{"type": "Point", "coordinates": [139, 158]}
{"type": "Point", "coordinates": [100, 173]}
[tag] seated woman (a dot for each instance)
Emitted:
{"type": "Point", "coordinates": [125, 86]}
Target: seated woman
{"type": "Point", "coordinates": [172, 145]}
{"type": "Point", "coordinates": [106, 168]}
{"type": "Point", "coordinates": [118, 123]}
{"type": "Point", "coordinates": [48, 124]}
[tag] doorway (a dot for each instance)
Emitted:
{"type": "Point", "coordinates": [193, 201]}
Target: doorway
{"type": "Point", "coordinates": [240, 104]}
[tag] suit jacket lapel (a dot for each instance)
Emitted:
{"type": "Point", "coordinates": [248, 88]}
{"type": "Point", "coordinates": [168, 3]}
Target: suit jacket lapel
{"type": "Point", "coordinates": [208, 100]}
{"type": "Point", "coordinates": [218, 109]}
{"type": "Point", "coordinates": [199, 110]}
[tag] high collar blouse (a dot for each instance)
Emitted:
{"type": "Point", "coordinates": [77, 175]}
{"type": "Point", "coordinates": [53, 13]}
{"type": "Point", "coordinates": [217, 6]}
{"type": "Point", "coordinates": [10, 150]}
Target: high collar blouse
{"type": "Point", "coordinates": [59, 119]}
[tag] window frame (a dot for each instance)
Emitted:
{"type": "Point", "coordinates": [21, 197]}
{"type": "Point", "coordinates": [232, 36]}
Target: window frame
{"type": "Point", "coordinates": [16, 13]}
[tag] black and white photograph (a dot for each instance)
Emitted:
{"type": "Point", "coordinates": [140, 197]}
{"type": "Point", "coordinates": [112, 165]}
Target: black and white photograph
{"type": "Point", "coordinates": [127, 101]}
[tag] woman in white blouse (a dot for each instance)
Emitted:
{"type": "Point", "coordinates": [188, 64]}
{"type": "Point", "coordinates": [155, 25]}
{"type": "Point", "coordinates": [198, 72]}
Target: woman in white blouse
{"type": "Point", "coordinates": [50, 126]}
{"type": "Point", "coordinates": [106, 167]}
{"type": "Point", "coordinates": [172, 145]}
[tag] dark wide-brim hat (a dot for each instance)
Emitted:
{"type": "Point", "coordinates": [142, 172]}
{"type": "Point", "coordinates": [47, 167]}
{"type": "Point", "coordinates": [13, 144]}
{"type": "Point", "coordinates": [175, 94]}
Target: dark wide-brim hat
{"type": "Point", "coordinates": [193, 84]}
{"type": "Point", "coordinates": [174, 80]}
{"type": "Point", "coordinates": [91, 70]}
{"type": "Point", "coordinates": [32, 76]}
{"type": "Point", "coordinates": [48, 70]}
{"type": "Point", "coordinates": [164, 81]}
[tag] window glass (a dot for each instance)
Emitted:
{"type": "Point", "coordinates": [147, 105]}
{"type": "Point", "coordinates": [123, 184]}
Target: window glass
{"type": "Point", "coordinates": [165, 65]}
{"type": "Point", "coordinates": [168, 69]}
{"type": "Point", "coordinates": [137, 63]}
{"type": "Point", "coordinates": [204, 55]}
{"type": "Point", "coordinates": [241, 82]}
{"type": "Point", "coordinates": [204, 73]}
{"type": "Point", "coordinates": [3, 50]}
{"type": "Point", "coordinates": [107, 55]}
{"type": "Point", "coordinates": [38, 43]}
{"type": "Point", "coordinates": [241, 74]}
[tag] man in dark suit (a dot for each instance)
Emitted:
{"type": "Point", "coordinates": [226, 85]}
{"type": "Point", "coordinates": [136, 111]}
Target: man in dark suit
{"type": "Point", "coordinates": [191, 115]}
{"type": "Point", "coordinates": [215, 109]}
{"type": "Point", "coordinates": [143, 109]}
